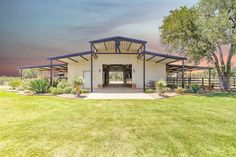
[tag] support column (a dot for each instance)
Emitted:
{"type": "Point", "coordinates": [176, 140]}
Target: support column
{"type": "Point", "coordinates": [144, 62]}
{"type": "Point", "coordinates": [190, 77]}
{"type": "Point", "coordinates": [21, 74]}
{"type": "Point", "coordinates": [50, 72]}
{"type": "Point", "coordinates": [182, 73]}
{"type": "Point", "coordinates": [91, 69]}
{"type": "Point", "coordinates": [209, 78]}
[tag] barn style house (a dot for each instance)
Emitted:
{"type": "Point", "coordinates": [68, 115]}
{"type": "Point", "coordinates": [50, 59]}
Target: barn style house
{"type": "Point", "coordinates": [118, 61]}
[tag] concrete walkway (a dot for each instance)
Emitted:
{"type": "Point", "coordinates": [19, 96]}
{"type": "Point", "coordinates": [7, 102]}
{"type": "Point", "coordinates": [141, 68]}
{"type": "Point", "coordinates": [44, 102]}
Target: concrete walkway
{"type": "Point", "coordinates": [118, 96]}
{"type": "Point", "coordinates": [118, 92]}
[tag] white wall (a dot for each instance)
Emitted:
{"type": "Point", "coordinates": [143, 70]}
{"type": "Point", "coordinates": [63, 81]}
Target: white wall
{"type": "Point", "coordinates": [153, 71]}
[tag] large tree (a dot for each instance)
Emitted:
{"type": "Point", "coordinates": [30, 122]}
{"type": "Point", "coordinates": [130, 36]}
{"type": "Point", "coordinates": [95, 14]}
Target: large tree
{"type": "Point", "coordinates": [200, 32]}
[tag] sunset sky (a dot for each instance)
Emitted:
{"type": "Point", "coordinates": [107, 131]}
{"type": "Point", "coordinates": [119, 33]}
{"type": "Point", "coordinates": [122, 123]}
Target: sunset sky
{"type": "Point", "coordinates": [32, 30]}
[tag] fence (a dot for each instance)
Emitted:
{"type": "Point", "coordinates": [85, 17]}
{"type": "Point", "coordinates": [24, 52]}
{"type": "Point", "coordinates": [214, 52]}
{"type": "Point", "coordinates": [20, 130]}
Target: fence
{"type": "Point", "coordinates": [214, 82]}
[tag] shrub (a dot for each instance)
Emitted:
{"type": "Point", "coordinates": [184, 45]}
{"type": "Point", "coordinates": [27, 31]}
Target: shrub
{"type": "Point", "coordinates": [194, 88]}
{"type": "Point", "coordinates": [180, 90]}
{"type": "Point", "coordinates": [63, 84]}
{"type": "Point", "coordinates": [161, 86]}
{"type": "Point", "coordinates": [149, 90]}
{"type": "Point", "coordinates": [73, 91]}
{"type": "Point", "coordinates": [14, 83]}
{"type": "Point", "coordinates": [173, 86]}
{"type": "Point", "coordinates": [25, 85]}
{"type": "Point", "coordinates": [56, 91]}
{"type": "Point", "coordinates": [39, 86]}
{"type": "Point", "coordinates": [67, 90]}
{"type": "Point", "coordinates": [84, 91]}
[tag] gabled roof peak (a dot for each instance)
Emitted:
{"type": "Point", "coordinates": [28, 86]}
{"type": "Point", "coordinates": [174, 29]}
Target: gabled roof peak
{"type": "Point", "coordinates": [118, 38]}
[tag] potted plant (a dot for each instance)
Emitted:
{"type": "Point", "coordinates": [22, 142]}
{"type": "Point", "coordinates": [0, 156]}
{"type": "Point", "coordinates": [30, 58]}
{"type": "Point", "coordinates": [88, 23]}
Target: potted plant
{"type": "Point", "coordinates": [161, 87]}
{"type": "Point", "coordinates": [78, 81]}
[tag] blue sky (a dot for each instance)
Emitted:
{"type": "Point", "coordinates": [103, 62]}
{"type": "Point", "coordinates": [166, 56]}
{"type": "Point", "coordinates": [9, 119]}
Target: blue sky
{"type": "Point", "coordinates": [32, 30]}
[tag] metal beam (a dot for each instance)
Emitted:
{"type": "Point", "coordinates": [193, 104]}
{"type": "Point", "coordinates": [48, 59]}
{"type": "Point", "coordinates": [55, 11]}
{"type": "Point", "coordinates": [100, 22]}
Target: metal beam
{"type": "Point", "coordinates": [91, 70]}
{"type": "Point", "coordinates": [84, 58]}
{"type": "Point", "coordinates": [73, 60]}
{"type": "Point", "coordinates": [21, 74]}
{"type": "Point", "coordinates": [144, 68]}
{"type": "Point", "coordinates": [94, 48]}
{"type": "Point", "coordinates": [151, 58]}
{"type": "Point", "coordinates": [161, 60]}
{"type": "Point", "coordinates": [50, 72]}
{"type": "Point", "coordinates": [129, 45]}
{"type": "Point", "coordinates": [62, 61]}
{"type": "Point", "coordinates": [105, 46]}
{"type": "Point", "coordinates": [182, 73]}
{"type": "Point", "coordinates": [140, 47]}
{"type": "Point", "coordinates": [140, 55]}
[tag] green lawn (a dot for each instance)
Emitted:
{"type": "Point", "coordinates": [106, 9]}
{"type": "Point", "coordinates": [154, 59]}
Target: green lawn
{"type": "Point", "coordinates": [180, 126]}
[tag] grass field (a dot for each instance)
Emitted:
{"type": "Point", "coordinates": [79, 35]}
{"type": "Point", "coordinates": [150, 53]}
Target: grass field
{"type": "Point", "coordinates": [180, 126]}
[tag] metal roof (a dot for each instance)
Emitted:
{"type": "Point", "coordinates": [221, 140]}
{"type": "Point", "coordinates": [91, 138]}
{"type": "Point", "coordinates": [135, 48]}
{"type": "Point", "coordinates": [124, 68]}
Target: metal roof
{"type": "Point", "coordinates": [176, 68]}
{"type": "Point", "coordinates": [70, 55]}
{"type": "Point", "coordinates": [41, 66]}
{"type": "Point", "coordinates": [165, 55]}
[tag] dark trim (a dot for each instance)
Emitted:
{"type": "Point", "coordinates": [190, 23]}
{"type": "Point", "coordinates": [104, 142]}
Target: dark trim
{"type": "Point", "coordinates": [151, 58]}
{"type": "Point", "coordinates": [161, 60]}
{"type": "Point", "coordinates": [72, 59]}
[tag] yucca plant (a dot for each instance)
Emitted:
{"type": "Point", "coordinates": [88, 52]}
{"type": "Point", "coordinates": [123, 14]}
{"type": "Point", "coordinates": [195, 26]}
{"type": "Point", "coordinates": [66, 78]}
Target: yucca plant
{"type": "Point", "coordinates": [39, 86]}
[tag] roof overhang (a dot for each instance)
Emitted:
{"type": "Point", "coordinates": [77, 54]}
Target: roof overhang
{"type": "Point", "coordinates": [173, 68]}
{"type": "Point", "coordinates": [58, 67]}
{"type": "Point", "coordinates": [73, 57]}
{"type": "Point", "coordinates": [160, 57]}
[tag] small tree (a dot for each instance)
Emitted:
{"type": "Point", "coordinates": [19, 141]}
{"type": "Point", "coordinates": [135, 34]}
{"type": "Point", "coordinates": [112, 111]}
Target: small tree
{"type": "Point", "coordinates": [161, 87]}
{"type": "Point", "coordinates": [78, 82]}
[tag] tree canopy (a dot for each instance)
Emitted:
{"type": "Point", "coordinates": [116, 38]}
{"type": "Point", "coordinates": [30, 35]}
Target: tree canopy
{"type": "Point", "coordinates": [200, 32]}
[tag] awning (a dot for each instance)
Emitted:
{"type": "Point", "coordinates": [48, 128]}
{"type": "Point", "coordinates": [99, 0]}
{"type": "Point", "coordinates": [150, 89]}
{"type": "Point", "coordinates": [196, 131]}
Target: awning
{"type": "Point", "coordinates": [160, 57]}
{"type": "Point", "coordinates": [57, 67]}
{"type": "Point", "coordinates": [173, 68]}
{"type": "Point", "coordinates": [73, 57]}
